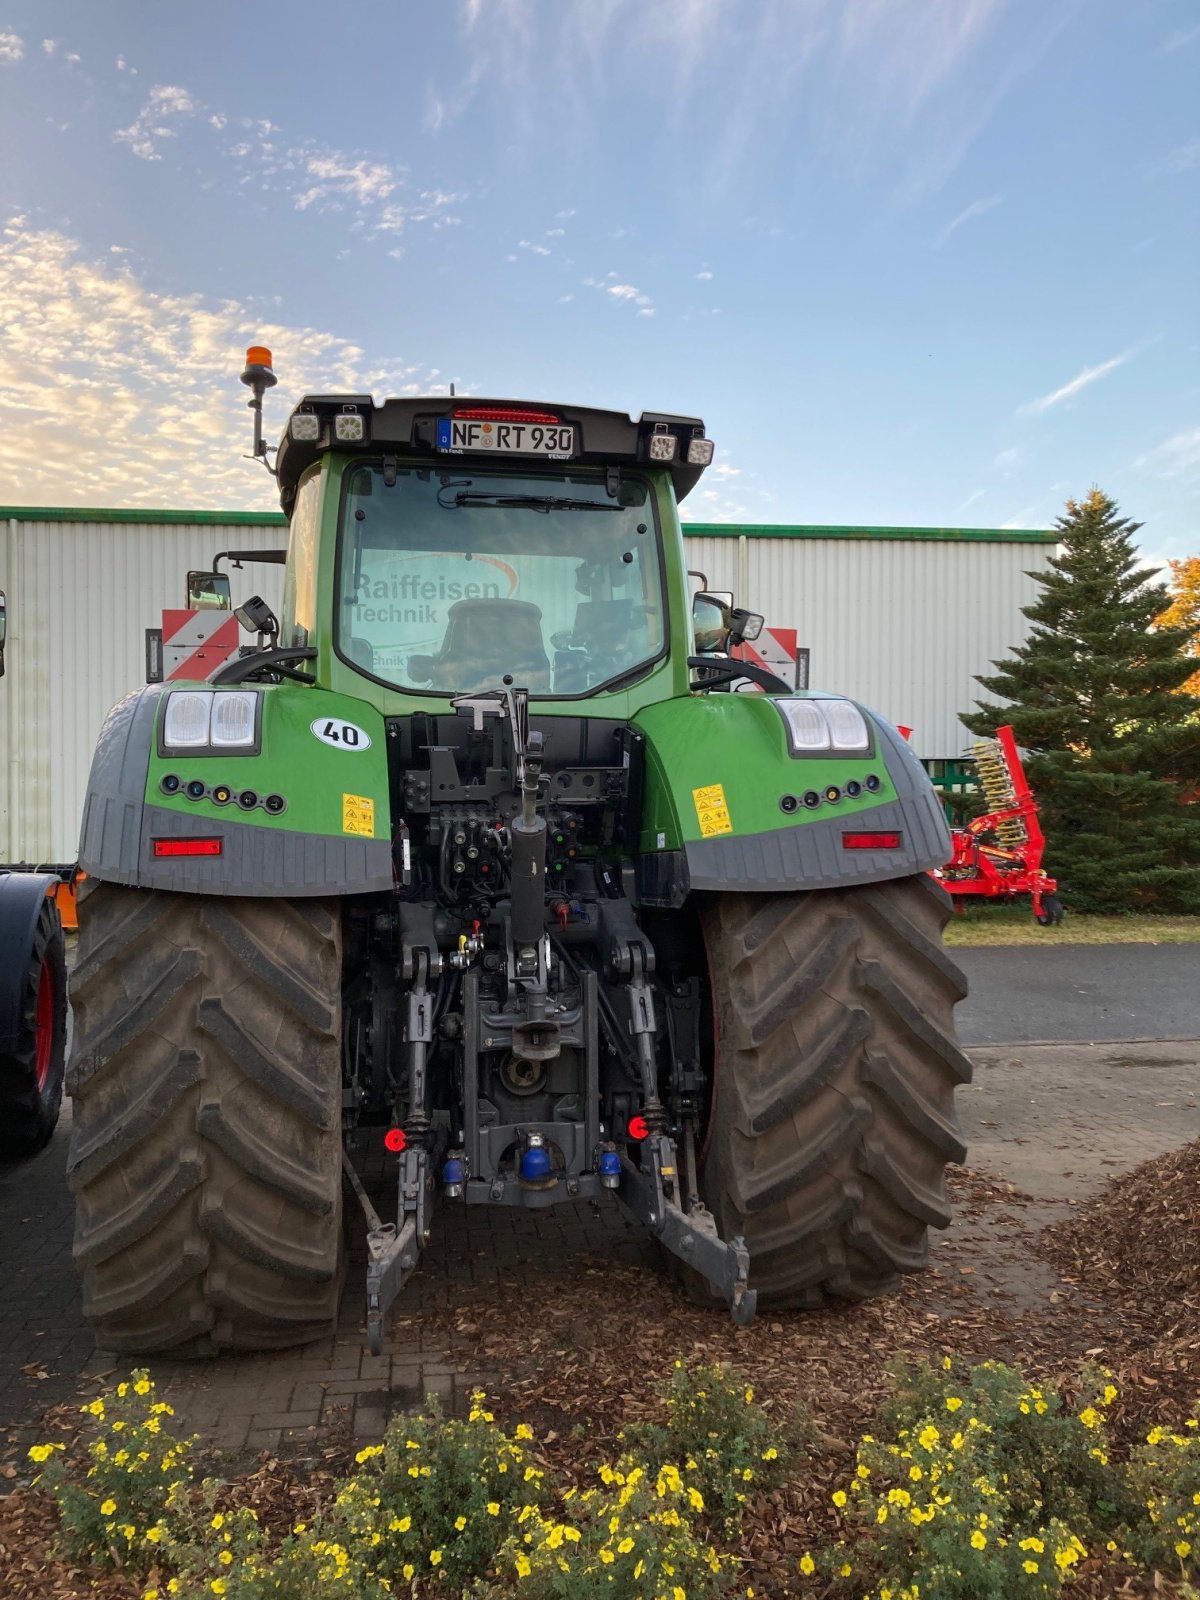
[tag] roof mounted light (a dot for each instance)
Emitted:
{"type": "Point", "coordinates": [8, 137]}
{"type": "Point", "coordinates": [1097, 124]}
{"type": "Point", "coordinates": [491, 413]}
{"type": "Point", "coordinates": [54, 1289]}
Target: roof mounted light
{"type": "Point", "coordinates": [661, 445]}
{"type": "Point", "coordinates": [305, 427]}
{"type": "Point", "coordinates": [699, 452]}
{"type": "Point", "coordinates": [349, 426]}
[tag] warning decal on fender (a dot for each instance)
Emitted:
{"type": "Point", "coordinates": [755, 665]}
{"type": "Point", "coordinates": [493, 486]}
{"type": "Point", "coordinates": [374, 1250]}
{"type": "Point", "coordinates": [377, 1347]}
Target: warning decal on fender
{"type": "Point", "coordinates": [358, 815]}
{"type": "Point", "coordinates": [712, 810]}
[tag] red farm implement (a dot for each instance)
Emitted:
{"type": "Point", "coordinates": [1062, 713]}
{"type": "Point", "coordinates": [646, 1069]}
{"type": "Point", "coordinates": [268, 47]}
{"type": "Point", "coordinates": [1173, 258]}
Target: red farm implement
{"type": "Point", "coordinates": [999, 854]}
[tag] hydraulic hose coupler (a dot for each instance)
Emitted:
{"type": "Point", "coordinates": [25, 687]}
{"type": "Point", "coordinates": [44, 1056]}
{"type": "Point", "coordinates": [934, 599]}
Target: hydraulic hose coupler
{"type": "Point", "coordinates": [454, 1175]}
{"type": "Point", "coordinates": [610, 1166]}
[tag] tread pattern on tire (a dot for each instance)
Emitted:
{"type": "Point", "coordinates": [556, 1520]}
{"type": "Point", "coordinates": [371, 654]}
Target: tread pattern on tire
{"type": "Point", "coordinates": [28, 1116]}
{"type": "Point", "coordinates": [206, 1148]}
{"type": "Point", "coordinates": [833, 1117]}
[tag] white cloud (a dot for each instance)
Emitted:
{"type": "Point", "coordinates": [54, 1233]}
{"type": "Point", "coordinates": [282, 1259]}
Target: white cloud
{"type": "Point", "coordinates": [1183, 158]}
{"type": "Point", "coordinates": [336, 178]}
{"type": "Point", "coordinates": [534, 249]}
{"type": "Point", "coordinates": [1080, 381]}
{"type": "Point", "coordinates": [977, 208]}
{"type": "Point", "coordinates": [705, 276]}
{"type": "Point", "coordinates": [12, 47]}
{"type": "Point", "coordinates": [976, 494]}
{"type": "Point", "coordinates": [1185, 36]}
{"type": "Point", "coordinates": [49, 46]}
{"type": "Point", "coordinates": [1176, 457]}
{"type": "Point", "coordinates": [1006, 458]}
{"type": "Point", "coordinates": [140, 390]}
{"type": "Point", "coordinates": [150, 126]}
{"type": "Point", "coordinates": [73, 58]}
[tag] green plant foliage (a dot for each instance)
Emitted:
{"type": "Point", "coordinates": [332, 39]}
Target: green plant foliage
{"type": "Point", "coordinates": [1165, 1476]}
{"type": "Point", "coordinates": [1095, 694]}
{"type": "Point", "coordinates": [119, 1509]}
{"type": "Point", "coordinates": [717, 1432]}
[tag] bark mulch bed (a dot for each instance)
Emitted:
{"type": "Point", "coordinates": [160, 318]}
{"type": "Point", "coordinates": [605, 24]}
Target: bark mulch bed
{"type": "Point", "coordinates": [586, 1356]}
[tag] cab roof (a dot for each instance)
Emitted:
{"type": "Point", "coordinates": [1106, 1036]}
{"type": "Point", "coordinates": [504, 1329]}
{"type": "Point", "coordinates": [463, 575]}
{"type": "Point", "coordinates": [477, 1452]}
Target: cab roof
{"type": "Point", "coordinates": [410, 427]}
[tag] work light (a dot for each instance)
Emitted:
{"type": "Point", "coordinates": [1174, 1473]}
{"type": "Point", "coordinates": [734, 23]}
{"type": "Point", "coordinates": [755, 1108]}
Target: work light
{"type": "Point", "coordinates": [306, 427]}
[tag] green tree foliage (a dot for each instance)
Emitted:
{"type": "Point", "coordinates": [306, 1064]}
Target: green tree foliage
{"type": "Point", "coordinates": [1096, 696]}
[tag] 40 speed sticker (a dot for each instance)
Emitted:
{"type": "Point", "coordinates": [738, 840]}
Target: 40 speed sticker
{"type": "Point", "coordinates": [341, 735]}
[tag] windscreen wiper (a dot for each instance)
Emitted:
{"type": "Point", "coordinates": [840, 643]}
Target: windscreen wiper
{"type": "Point", "coordinates": [522, 502]}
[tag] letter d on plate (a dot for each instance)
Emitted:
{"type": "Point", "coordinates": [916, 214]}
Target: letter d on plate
{"type": "Point", "coordinates": [341, 735]}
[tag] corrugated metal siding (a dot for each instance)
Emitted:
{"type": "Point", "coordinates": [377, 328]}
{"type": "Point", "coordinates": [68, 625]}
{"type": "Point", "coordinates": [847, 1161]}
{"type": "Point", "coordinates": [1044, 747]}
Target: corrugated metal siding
{"type": "Point", "coordinates": [903, 626]}
{"type": "Point", "coordinates": [80, 595]}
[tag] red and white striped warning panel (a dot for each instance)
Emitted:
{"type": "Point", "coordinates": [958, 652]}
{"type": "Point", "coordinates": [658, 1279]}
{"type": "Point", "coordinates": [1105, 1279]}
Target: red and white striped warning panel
{"type": "Point", "coordinates": [195, 643]}
{"type": "Point", "coordinates": [775, 649]}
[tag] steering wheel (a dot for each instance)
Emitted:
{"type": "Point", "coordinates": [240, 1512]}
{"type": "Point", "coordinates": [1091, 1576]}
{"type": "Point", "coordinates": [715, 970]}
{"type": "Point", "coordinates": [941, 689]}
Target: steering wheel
{"type": "Point", "coordinates": [727, 670]}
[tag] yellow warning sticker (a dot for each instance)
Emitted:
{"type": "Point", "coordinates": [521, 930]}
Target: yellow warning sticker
{"type": "Point", "coordinates": [358, 815]}
{"type": "Point", "coordinates": [712, 810]}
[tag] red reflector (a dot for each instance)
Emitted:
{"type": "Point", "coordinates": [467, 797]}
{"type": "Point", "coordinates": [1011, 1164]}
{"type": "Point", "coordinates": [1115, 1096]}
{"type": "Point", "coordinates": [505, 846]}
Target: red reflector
{"type": "Point", "coordinates": [186, 847]}
{"type": "Point", "coordinates": [499, 414]}
{"type": "Point", "coordinates": [394, 1140]}
{"type": "Point", "coordinates": [638, 1128]}
{"type": "Point", "coordinates": [872, 841]}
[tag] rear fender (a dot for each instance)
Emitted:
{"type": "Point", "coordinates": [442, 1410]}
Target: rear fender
{"type": "Point", "coordinates": [729, 807]}
{"type": "Point", "coordinates": [332, 835]}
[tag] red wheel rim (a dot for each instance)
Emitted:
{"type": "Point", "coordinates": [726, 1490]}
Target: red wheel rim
{"type": "Point", "coordinates": [43, 1047]}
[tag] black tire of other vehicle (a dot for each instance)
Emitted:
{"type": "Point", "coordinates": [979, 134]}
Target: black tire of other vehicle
{"type": "Point", "coordinates": [31, 1077]}
{"type": "Point", "coordinates": [206, 1148]}
{"type": "Point", "coordinates": [833, 1113]}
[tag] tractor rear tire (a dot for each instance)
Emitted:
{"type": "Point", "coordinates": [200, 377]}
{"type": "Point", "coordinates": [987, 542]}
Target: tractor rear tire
{"type": "Point", "coordinates": [31, 1076]}
{"type": "Point", "coordinates": [833, 1113]}
{"type": "Point", "coordinates": [206, 1149]}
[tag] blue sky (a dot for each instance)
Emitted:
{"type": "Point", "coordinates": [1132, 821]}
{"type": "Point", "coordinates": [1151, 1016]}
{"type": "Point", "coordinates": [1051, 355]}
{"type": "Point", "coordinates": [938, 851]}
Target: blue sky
{"type": "Point", "coordinates": [914, 261]}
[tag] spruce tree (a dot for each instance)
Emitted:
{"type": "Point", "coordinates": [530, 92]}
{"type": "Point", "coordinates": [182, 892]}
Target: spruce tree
{"type": "Point", "coordinates": [1095, 696]}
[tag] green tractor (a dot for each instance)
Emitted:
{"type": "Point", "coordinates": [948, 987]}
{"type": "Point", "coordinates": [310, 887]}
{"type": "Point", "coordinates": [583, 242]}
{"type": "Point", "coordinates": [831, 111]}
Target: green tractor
{"type": "Point", "coordinates": [480, 851]}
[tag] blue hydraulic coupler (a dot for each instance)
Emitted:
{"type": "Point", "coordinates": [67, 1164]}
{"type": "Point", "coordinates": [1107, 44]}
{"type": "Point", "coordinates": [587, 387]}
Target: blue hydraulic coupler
{"type": "Point", "coordinates": [535, 1160]}
{"type": "Point", "coordinates": [454, 1177]}
{"type": "Point", "coordinates": [610, 1168]}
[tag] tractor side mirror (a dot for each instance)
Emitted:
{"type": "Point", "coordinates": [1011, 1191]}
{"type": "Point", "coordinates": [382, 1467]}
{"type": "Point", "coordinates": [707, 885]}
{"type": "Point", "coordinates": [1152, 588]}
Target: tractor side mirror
{"type": "Point", "coordinates": [209, 591]}
{"type": "Point", "coordinates": [710, 623]}
{"type": "Point", "coordinates": [3, 629]}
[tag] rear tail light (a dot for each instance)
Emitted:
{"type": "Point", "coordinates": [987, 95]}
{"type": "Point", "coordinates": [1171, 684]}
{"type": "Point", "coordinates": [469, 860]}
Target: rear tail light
{"type": "Point", "coordinates": [872, 841]}
{"type": "Point", "coordinates": [186, 847]}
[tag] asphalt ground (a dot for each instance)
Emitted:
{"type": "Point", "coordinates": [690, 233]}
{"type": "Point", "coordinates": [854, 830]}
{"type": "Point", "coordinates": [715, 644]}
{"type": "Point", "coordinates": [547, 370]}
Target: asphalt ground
{"type": "Point", "coordinates": [1079, 993]}
{"type": "Point", "coordinates": [1055, 1120]}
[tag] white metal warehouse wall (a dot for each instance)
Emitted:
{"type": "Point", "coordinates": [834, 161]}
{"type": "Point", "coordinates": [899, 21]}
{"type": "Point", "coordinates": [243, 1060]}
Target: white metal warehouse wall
{"type": "Point", "coordinates": [80, 595]}
{"type": "Point", "coordinates": [901, 623]}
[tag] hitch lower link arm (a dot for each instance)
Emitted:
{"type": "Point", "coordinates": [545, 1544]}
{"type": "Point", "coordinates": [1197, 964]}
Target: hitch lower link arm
{"type": "Point", "coordinates": [652, 1190]}
{"type": "Point", "coordinates": [393, 1249]}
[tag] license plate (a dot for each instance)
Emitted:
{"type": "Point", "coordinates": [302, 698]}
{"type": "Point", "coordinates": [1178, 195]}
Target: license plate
{"type": "Point", "coordinates": [506, 438]}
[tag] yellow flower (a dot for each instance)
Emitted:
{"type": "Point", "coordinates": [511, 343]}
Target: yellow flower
{"type": "Point", "coordinates": [1183, 1549]}
{"type": "Point", "coordinates": [96, 1408]}
{"type": "Point", "coordinates": [770, 1454]}
{"type": "Point", "coordinates": [607, 1556]}
{"type": "Point", "coordinates": [153, 1535]}
{"type": "Point", "coordinates": [915, 1473]}
{"type": "Point", "coordinates": [928, 1437]}
{"type": "Point", "coordinates": [407, 1571]}
{"type": "Point", "coordinates": [142, 1386]}
{"type": "Point", "coordinates": [749, 1395]}
{"type": "Point", "coordinates": [225, 1557]}
{"type": "Point", "coordinates": [625, 1546]}
{"type": "Point", "coordinates": [524, 1431]}
{"type": "Point", "coordinates": [42, 1452]}
{"type": "Point", "coordinates": [846, 1569]}
{"type": "Point", "coordinates": [979, 1540]}
{"type": "Point", "coordinates": [218, 1521]}
{"type": "Point", "coordinates": [881, 1514]}
{"type": "Point", "coordinates": [459, 1524]}
{"type": "Point", "coordinates": [1030, 1566]}
{"type": "Point", "coordinates": [435, 1558]}
{"type": "Point", "coordinates": [839, 1497]}
{"type": "Point", "coordinates": [1090, 1417]}
{"type": "Point", "coordinates": [493, 1508]}
{"type": "Point", "coordinates": [218, 1586]}
{"type": "Point", "coordinates": [1032, 1544]}
{"type": "Point", "coordinates": [952, 1402]}
{"type": "Point", "coordinates": [107, 1509]}
{"type": "Point", "coordinates": [807, 1565]}
{"type": "Point", "coordinates": [368, 1453]}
